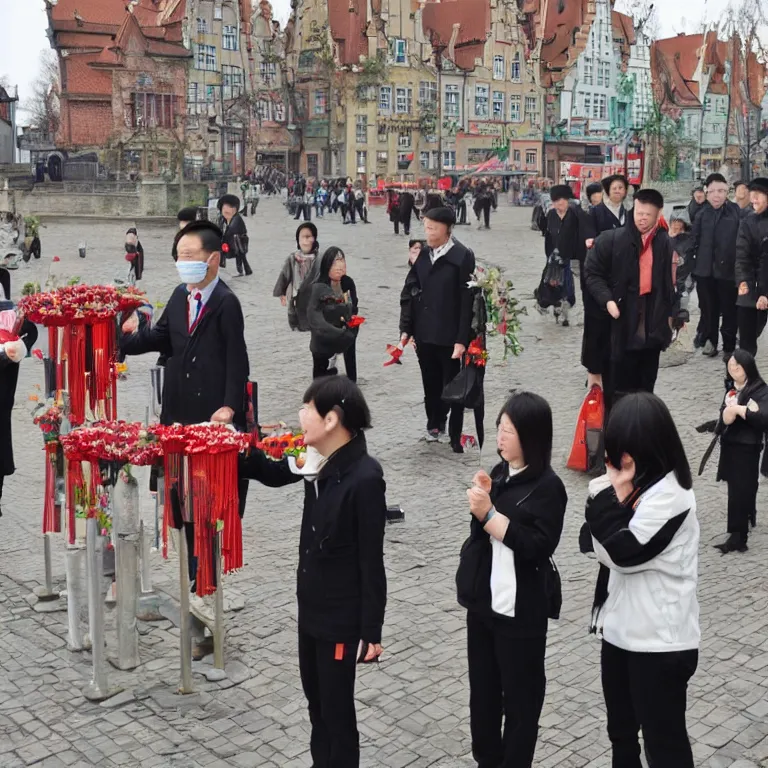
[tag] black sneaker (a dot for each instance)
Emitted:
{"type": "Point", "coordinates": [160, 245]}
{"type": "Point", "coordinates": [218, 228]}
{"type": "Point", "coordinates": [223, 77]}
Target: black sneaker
{"type": "Point", "coordinates": [698, 341]}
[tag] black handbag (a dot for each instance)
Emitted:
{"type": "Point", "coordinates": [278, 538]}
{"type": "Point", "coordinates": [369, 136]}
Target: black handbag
{"type": "Point", "coordinates": [466, 388]}
{"type": "Point", "coordinates": [553, 586]}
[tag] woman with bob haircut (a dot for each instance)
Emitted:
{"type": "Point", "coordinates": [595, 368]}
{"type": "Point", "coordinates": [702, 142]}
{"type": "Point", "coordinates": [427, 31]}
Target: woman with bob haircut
{"type": "Point", "coordinates": [641, 524]}
{"type": "Point", "coordinates": [342, 585]}
{"type": "Point", "coordinates": [509, 585]}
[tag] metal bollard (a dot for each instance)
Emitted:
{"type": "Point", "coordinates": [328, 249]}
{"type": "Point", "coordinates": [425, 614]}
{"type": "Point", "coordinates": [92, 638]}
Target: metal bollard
{"type": "Point", "coordinates": [75, 560]}
{"type": "Point", "coordinates": [185, 683]}
{"type": "Point", "coordinates": [218, 609]}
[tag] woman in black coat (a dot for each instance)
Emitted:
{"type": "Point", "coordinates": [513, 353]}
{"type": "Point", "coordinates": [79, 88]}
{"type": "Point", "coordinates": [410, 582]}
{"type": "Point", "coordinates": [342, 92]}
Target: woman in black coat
{"type": "Point", "coordinates": [342, 584]}
{"type": "Point", "coordinates": [509, 586]}
{"type": "Point", "coordinates": [235, 234]}
{"type": "Point", "coordinates": [332, 303]}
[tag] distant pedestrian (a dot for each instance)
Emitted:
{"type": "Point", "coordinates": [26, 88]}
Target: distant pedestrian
{"type": "Point", "coordinates": [698, 198]}
{"type": "Point", "coordinates": [393, 208]}
{"type": "Point", "coordinates": [406, 209]}
{"type": "Point", "coordinates": [299, 273]}
{"type": "Point", "coordinates": [235, 234]}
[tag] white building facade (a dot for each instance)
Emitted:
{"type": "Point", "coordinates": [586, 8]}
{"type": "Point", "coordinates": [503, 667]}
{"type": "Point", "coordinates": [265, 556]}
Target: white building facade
{"type": "Point", "coordinates": [639, 69]}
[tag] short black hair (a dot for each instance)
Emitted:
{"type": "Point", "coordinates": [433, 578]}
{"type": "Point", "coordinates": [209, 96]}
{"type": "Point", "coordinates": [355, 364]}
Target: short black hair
{"type": "Point", "coordinates": [532, 417]}
{"type": "Point", "coordinates": [741, 183]}
{"type": "Point", "coordinates": [340, 393]}
{"type": "Point", "coordinates": [411, 243]}
{"type": "Point", "coordinates": [187, 214]}
{"type": "Point", "coordinates": [209, 234]}
{"type": "Point", "coordinates": [593, 189]}
{"type": "Point", "coordinates": [326, 262]}
{"type": "Point", "coordinates": [641, 425]}
{"type": "Point", "coordinates": [650, 197]}
{"type": "Point", "coordinates": [713, 178]}
{"type": "Point", "coordinates": [608, 180]}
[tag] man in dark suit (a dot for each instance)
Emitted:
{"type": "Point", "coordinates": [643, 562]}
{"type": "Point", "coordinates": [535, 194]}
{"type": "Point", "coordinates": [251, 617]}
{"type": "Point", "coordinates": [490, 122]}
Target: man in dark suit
{"type": "Point", "coordinates": [439, 318]}
{"type": "Point", "coordinates": [201, 334]}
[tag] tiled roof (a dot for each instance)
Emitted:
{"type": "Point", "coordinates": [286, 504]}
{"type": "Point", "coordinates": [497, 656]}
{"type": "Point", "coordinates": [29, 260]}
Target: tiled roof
{"type": "Point", "coordinates": [93, 11]}
{"type": "Point", "coordinates": [564, 33]}
{"type": "Point", "coordinates": [674, 62]}
{"type": "Point", "coordinates": [347, 21]}
{"type": "Point", "coordinates": [624, 30]}
{"type": "Point", "coordinates": [474, 20]}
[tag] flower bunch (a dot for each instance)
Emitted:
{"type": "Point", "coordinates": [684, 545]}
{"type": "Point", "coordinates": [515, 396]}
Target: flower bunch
{"type": "Point", "coordinates": [119, 442]}
{"type": "Point", "coordinates": [48, 418]}
{"type": "Point", "coordinates": [286, 444]}
{"type": "Point", "coordinates": [79, 304]}
{"type": "Point", "coordinates": [476, 353]}
{"type": "Point", "coordinates": [194, 439]}
{"type": "Point", "coordinates": [355, 321]}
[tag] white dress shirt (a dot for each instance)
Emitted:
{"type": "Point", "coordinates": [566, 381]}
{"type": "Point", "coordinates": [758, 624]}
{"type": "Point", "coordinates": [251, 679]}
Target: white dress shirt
{"type": "Point", "coordinates": [205, 295]}
{"type": "Point", "coordinates": [441, 250]}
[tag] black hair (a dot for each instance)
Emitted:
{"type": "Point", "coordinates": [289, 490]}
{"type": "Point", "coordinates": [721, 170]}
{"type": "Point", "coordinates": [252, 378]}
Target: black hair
{"type": "Point", "coordinates": [209, 234]}
{"type": "Point", "coordinates": [650, 197]}
{"type": "Point", "coordinates": [747, 361]}
{"type": "Point", "coordinates": [532, 417]}
{"type": "Point", "coordinates": [641, 425]}
{"type": "Point", "coordinates": [187, 214]}
{"type": "Point", "coordinates": [339, 393]}
{"type": "Point", "coordinates": [741, 183]}
{"type": "Point", "coordinates": [608, 181]}
{"type": "Point", "coordinates": [131, 231]}
{"type": "Point", "coordinates": [411, 243]}
{"type": "Point", "coordinates": [714, 177]}
{"type": "Point", "coordinates": [593, 189]}
{"type": "Point", "coordinates": [326, 263]}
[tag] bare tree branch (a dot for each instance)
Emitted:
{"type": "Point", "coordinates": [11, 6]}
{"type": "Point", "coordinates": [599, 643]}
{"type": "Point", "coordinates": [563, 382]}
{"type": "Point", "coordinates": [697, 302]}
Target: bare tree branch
{"type": "Point", "coordinates": [42, 104]}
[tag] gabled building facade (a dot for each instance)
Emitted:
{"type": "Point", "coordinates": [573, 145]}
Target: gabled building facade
{"type": "Point", "coordinates": [9, 99]}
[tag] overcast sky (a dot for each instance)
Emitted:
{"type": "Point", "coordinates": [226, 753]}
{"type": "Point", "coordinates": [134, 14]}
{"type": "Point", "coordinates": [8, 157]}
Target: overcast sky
{"type": "Point", "coordinates": [22, 32]}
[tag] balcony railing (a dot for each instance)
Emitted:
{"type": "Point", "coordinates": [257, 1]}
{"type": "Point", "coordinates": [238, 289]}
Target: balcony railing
{"type": "Point", "coordinates": [36, 141]}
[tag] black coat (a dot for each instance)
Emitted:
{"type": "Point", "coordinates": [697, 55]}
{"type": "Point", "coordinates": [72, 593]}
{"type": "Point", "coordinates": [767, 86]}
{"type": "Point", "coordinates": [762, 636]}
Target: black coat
{"type": "Point", "coordinates": [205, 371]}
{"type": "Point", "coordinates": [751, 265]}
{"type": "Point", "coordinates": [568, 234]}
{"type": "Point", "coordinates": [613, 274]}
{"type": "Point", "coordinates": [328, 315]}
{"type": "Point", "coordinates": [535, 506]}
{"type": "Point", "coordinates": [440, 309]}
{"type": "Point", "coordinates": [341, 585]}
{"type": "Point", "coordinates": [236, 236]}
{"type": "Point", "coordinates": [714, 233]}
{"type": "Point", "coordinates": [693, 209]}
{"type": "Point", "coordinates": [603, 218]}
{"type": "Point", "coordinates": [406, 207]}
{"type": "Point", "coordinates": [9, 378]}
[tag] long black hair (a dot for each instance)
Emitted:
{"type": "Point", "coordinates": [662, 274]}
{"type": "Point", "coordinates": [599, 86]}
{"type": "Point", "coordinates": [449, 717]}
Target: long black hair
{"type": "Point", "coordinates": [330, 255]}
{"type": "Point", "coordinates": [532, 418]}
{"type": "Point", "coordinates": [641, 426]}
{"type": "Point", "coordinates": [747, 362]}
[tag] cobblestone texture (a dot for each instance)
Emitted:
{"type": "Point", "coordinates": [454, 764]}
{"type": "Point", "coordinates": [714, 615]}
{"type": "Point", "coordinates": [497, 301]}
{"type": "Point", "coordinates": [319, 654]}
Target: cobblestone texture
{"type": "Point", "coordinates": [413, 707]}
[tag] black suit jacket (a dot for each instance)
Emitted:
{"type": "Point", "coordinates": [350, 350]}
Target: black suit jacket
{"type": "Point", "coordinates": [207, 369]}
{"type": "Point", "coordinates": [440, 307]}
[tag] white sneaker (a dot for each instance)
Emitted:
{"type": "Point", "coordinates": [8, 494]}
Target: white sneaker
{"type": "Point", "coordinates": [432, 436]}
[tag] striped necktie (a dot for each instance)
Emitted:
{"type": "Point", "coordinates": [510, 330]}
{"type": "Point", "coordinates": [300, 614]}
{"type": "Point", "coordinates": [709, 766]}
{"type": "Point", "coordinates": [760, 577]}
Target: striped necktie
{"type": "Point", "coordinates": [198, 297]}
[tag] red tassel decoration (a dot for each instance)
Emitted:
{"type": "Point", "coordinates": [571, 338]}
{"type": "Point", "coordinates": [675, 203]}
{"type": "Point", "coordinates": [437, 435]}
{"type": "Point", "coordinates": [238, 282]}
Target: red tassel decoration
{"type": "Point", "coordinates": [172, 464]}
{"type": "Point", "coordinates": [51, 516]}
{"type": "Point", "coordinates": [75, 336]}
{"type": "Point", "coordinates": [75, 484]}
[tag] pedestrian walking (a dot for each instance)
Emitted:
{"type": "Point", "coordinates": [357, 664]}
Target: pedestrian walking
{"type": "Point", "coordinates": [439, 318]}
{"type": "Point", "coordinates": [406, 210]}
{"type": "Point", "coordinates": [698, 198]}
{"type": "Point", "coordinates": [235, 234]}
{"type": "Point", "coordinates": [134, 252]}
{"type": "Point", "coordinates": [741, 197]}
{"type": "Point", "coordinates": [631, 272]}
{"type": "Point", "coordinates": [393, 208]}
{"type": "Point", "coordinates": [332, 303]}
{"type": "Point", "coordinates": [714, 234]}
{"type": "Point", "coordinates": [483, 203]}
{"type": "Point", "coordinates": [360, 205]}
{"type": "Point", "coordinates": [507, 582]}
{"type": "Point", "coordinates": [751, 268]}
{"type": "Point", "coordinates": [594, 194]}
{"type": "Point", "coordinates": [342, 583]}
{"type": "Point", "coordinates": [299, 273]}
{"type": "Point", "coordinates": [641, 523]}
{"type": "Point", "coordinates": [610, 213]}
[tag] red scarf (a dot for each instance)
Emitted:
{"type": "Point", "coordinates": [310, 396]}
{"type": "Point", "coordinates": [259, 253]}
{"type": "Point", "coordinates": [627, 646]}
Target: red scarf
{"type": "Point", "coordinates": [646, 262]}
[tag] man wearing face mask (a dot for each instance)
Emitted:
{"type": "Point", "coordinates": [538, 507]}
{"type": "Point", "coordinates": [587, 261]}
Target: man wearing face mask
{"type": "Point", "coordinates": [201, 334]}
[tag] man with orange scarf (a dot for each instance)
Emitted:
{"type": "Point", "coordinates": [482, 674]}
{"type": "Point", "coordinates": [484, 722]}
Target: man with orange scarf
{"type": "Point", "coordinates": [631, 272]}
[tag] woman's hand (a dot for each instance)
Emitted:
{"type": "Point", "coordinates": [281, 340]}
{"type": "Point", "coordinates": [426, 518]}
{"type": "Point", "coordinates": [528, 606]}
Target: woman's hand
{"type": "Point", "coordinates": [479, 502]}
{"type": "Point", "coordinates": [482, 480]}
{"type": "Point", "coordinates": [374, 651]}
{"type": "Point", "coordinates": [730, 414]}
{"type": "Point", "coordinates": [622, 479]}
{"type": "Point", "coordinates": [283, 300]}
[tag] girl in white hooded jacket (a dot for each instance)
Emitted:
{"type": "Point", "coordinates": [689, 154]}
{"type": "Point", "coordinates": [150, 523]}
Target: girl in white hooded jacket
{"type": "Point", "coordinates": [641, 524]}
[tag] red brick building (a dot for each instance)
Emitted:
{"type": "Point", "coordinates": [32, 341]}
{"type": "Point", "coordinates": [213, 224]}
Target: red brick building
{"type": "Point", "coordinates": [123, 80]}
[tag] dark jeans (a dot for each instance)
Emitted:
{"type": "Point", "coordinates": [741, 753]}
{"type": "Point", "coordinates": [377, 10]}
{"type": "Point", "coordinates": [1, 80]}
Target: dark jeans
{"type": "Point", "coordinates": [506, 678]}
{"type": "Point", "coordinates": [744, 472]}
{"type": "Point", "coordinates": [329, 686]}
{"type": "Point", "coordinates": [485, 208]}
{"type": "Point", "coordinates": [461, 212]}
{"type": "Point", "coordinates": [718, 298]}
{"type": "Point", "coordinates": [751, 325]}
{"type": "Point", "coordinates": [648, 691]}
{"type": "Point", "coordinates": [320, 365]}
{"type": "Point", "coordinates": [635, 372]}
{"type": "Point", "coordinates": [406, 227]}
{"type": "Point", "coordinates": [305, 210]}
{"type": "Point", "coordinates": [437, 369]}
{"type": "Point", "coordinates": [241, 262]}
{"type": "Point", "coordinates": [360, 207]}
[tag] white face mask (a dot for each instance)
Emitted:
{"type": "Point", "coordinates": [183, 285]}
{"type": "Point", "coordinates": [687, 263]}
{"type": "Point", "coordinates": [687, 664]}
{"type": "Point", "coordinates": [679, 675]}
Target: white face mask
{"type": "Point", "coordinates": [192, 272]}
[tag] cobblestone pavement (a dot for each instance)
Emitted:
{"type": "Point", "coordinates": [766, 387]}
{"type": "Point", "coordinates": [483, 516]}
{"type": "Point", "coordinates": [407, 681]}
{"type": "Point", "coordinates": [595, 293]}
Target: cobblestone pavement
{"type": "Point", "coordinates": [413, 707]}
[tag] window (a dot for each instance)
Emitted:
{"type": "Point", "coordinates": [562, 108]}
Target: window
{"type": "Point", "coordinates": [264, 110]}
{"type": "Point", "coordinates": [498, 67]}
{"type": "Point", "coordinates": [268, 72]}
{"type": "Point", "coordinates": [192, 108]}
{"type": "Point", "coordinates": [403, 101]}
{"type": "Point", "coordinates": [587, 105]}
{"type": "Point", "coordinates": [152, 110]}
{"type": "Point", "coordinates": [398, 50]}
{"type": "Point", "coordinates": [515, 68]}
{"type": "Point", "coordinates": [381, 130]}
{"type": "Point", "coordinates": [385, 99]}
{"type": "Point", "coordinates": [604, 73]}
{"type": "Point", "coordinates": [404, 159]}
{"type": "Point", "coordinates": [516, 155]}
{"type": "Point", "coordinates": [404, 139]}
{"type": "Point", "coordinates": [230, 38]}
{"type": "Point", "coordinates": [481, 100]}
{"type": "Point", "coordinates": [588, 71]}
{"type": "Point", "coordinates": [362, 160]}
{"type": "Point", "coordinates": [498, 105]}
{"type": "Point", "coordinates": [531, 157]}
{"type": "Point", "coordinates": [600, 107]}
{"type": "Point", "coordinates": [427, 93]}
{"type": "Point", "coordinates": [321, 102]}
{"type": "Point", "coordinates": [206, 57]}
{"type": "Point", "coordinates": [532, 108]}
{"type": "Point", "coordinates": [514, 109]}
{"type": "Point", "coordinates": [382, 158]}
{"type": "Point", "coordinates": [361, 129]}
{"type": "Point", "coordinates": [217, 10]}
{"type": "Point", "coordinates": [434, 156]}
{"type": "Point", "coordinates": [366, 93]}
{"type": "Point", "coordinates": [312, 166]}
{"type": "Point", "coordinates": [279, 111]}
{"type": "Point", "coordinates": [451, 101]}
{"type": "Point", "coordinates": [424, 160]}
{"type": "Point", "coordinates": [232, 81]}
{"type": "Point", "coordinates": [707, 103]}
{"type": "Point", "coordinates": [202, 26]}
{"type": "Point", "coordinates": [449, 158]}
{"type": "Point", "coordinates": [721, 107]}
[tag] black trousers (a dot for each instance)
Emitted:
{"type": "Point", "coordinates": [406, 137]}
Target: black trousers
{"type": "Point", "coordinates": [241, 262]}
{"type": "Point", "coordinates": [329, 686]}
{"type": "Point", "coordinates": [360, 208]}
{"type": "Point", "coordinates": [320, 365]}
{"type": "Point", "coordinates": [305, 210]}
{"type": "Point", "coordinates": [751, 325]}
{"type": "Point", "coordinates": [406, 227]}
{"type": "Point", "coordinates": [437, 369]}
{"type": "Point", "coordinates": [635, 372]}
{"type": "Point", "coordinates": [648, 691]}
{"type": "Point", "coordinates": [485, 207]}
{"type": "Point", "coordinates": [506, 679]}
{"type": "Point", "coordinates": [462, 212]}
{"type": "Point", "coordinates": [742, 464]}
{"type": "Point", "coordinates": [718, 298]}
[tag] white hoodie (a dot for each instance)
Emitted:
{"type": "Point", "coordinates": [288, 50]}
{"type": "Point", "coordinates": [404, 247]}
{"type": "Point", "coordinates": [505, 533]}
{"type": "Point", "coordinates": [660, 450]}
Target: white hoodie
{"type": "Point", "coordinates": [652, 607]}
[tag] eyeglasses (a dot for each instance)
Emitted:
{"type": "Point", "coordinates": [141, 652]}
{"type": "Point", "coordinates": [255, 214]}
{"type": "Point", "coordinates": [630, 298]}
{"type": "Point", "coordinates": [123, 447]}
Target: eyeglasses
{"type": "Point", "coordinates": [503, 431]}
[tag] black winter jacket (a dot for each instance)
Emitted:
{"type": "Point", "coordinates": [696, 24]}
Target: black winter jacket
{"type": "Point", "coordinates": [328, 314]}
{"type": "Point", "coordinates": [714, 233]}
{"type": "Point", "coordinates": [613, 274]}
{"type": "Point", "coordinates": [535, 506]}
{"type": "Point", "coordinates": [236, 236]}
{"type": "Point", "coordinates": [603, 218]}
{"type": "Point", "coordinates": [749, 431]}
{"type": "Point", "coordinates": [342, 584]}
{"type": "Point", "coordinates": [752, 258]}
{"type": "Point", "coordinates": [566, 234]}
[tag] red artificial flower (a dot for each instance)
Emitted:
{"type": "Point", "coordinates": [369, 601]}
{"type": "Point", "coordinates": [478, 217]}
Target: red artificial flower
{"type": "Point", "coordinates": [56, 258]}
{"type": "Point", "coordinates": [38, 353]}
{"type": "Point", "coordinates": [224, 248]}
{"type": "Point", "coordinates": [355, 321]}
